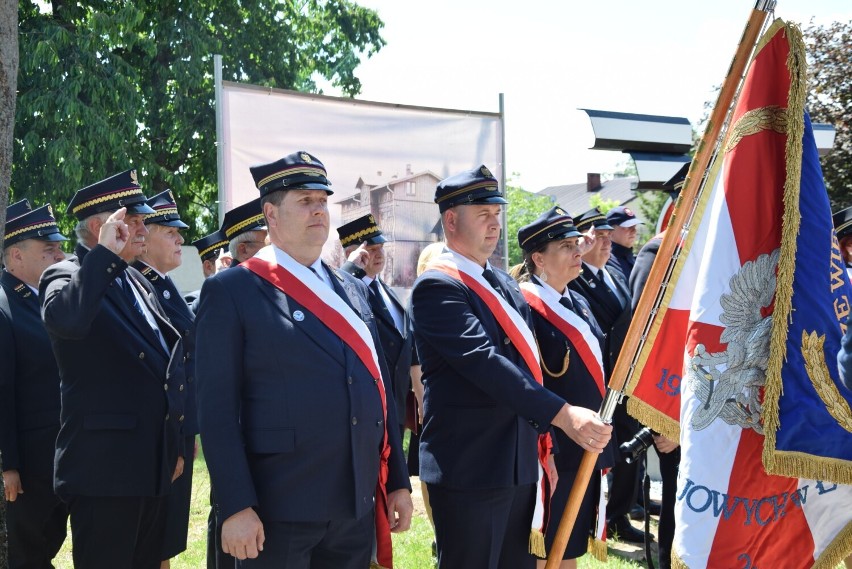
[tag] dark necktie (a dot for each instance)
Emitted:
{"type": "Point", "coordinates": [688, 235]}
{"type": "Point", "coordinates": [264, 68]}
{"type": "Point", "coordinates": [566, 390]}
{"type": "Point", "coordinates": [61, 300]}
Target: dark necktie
{"type": "Point", "coordinates": [377, 300]}
{"type": "Point", "coordinates": [608, 288]}
{"type": "Point", "coordinates": [489, 275]}
{"type": "Point", "coordinates": [566, 302]}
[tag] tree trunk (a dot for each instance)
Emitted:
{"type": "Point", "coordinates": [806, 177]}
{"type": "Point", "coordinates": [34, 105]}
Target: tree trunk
{"type": "Point", "coordinates": [8, 87]}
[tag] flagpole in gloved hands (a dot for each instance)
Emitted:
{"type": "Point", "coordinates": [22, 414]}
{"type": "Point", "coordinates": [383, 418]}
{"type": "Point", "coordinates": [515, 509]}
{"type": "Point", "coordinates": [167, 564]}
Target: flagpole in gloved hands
{"type": "Point", "coordinates": [651, 299]}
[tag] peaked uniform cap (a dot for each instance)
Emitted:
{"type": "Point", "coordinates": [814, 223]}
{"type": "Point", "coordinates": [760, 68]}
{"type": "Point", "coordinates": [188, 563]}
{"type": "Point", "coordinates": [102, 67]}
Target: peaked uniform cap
{"type": "Point", "coordinates": [210, 245]}
{"type": "Point", "coordinates": [247, 217]}
{"type": "Point", "coordinates": [593, 217]}
{"type": "Point", "coordinates": [363, 229]}
{"type": "Point", "coordinates": [474, 186]}
{"type": "Point", "coordinates": [111, 194]}
{"type": "Point", "coordinates": [165, 211]}
{"type": "Point", "coordinates": [37, 224]}
{"type": "Point", "coordinates": [18, 209]}
{"type": "Point", "coordinates": [622, 216]}
{"type": "Point", "coordinates": [299, 170]}
{"type": "Point", "coordinates": [553, 225]}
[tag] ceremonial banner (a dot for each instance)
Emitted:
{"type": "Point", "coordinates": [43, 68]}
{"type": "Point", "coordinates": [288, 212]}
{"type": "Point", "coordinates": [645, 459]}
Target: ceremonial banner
{"type": "Point", "coordinates": [747, 338]}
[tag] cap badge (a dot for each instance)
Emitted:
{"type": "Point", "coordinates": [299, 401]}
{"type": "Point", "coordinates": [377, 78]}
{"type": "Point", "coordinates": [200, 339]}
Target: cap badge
{"type": "Point", "coordinates": [305, 157]}
{"type": "Point", "coordinates": [628, 211]}
{"type": "Point", "coordinates": [560, 211]}
{"type": "Point", "coordinates": [133, 177]}
{"type": "Point", "coordinates": [372, 219]}
{"type": "Point", "coordinates": [485, 172]}
{"type": "Point", "coordinates": [298, 316]}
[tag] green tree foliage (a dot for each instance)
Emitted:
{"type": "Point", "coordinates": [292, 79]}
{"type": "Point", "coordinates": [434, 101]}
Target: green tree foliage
{"type": "Point", "coordinates": [108, 85]}
{"type": "Point", "coordinates": [603, 204]}
{"type": "Point", "coordinates": [830, 101]}
{"type": "Point", "coordinates": [523, 208]}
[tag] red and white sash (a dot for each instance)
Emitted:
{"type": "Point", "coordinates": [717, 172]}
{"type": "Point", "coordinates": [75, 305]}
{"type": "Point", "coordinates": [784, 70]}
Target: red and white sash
{"type": "Point", "coordinates": [284, 273]}
{"type": "Point", "coordinates": [545, 301]}
{"type": "Point", "coordinates": [516, 328]}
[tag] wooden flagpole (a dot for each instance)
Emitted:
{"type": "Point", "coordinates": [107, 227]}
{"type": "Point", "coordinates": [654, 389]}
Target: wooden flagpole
{"type": "Point", "coordinates": [661, 271]}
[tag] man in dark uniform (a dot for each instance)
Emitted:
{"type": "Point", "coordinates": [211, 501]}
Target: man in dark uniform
{"type": "Point", "coordinates": [245, 230]}
{"type": "Point", "coordinates": [121, 369]}
{"type": "Point", "coordinates": [363, 244]}
{"type": "Point", "coordinates": [163, 254]}
{"type": "Point", "coordinates": [209, 247]}
{"type": "Point", "coordinates": [610, 301]}
{"type": "Point", "coordinates": [29, 390]}
{"type": "Point", "coordinates": [291, 396]}
{"type": "Point", "coordinates": [625, 231]}
{"type": "Point", "coordinates": [484, 410]}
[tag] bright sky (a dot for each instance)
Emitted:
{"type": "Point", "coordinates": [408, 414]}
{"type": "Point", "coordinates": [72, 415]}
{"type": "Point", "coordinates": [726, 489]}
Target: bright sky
{"type": "Point", "coordinates": [552, 57]}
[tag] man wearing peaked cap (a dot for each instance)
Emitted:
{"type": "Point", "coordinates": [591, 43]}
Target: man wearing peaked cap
{"type": "Point", "coordinates": [471, 186]}
{"type": "Point", "coordinates": [93, 204]}
{"type": "Point", "coordinates": [209, 248]}
{"type": "Point", "coordinates": [122, 383]}
{"type": "Point", "coordinates": [363, 244]}
{"type": "Point", "coordinates": [295, 401]}
{"type": "Point", "coordinates": [29, 390]}
{"type": "Point", "coordinates": [162, 255]}
{"type": "Point", "coordinates": [245, 230]}
{"type": "Point", "coordinates": [609, 297]}
{"type": "Point", "coordinates": [624, 224]}
{"type": "Point", "coordinates": [485, 410]}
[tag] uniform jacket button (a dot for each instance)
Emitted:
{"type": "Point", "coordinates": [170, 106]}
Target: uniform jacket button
{"type": "Point", "coordinates": [141, 355]}
{"type": "Point", "coordinates": [167, 416]}
{"type": "Point", "coordinates": [166, 386]}
{"type": "Point", "coordinates": [349, 380]}
{"type": "Point", "coordinates": [181, 387]}
{"type": "Point", "coordinates": [507, 341]}
{"type": "Point", "coordinates": [354, 420]}
{"type": "Point", "coordinates": [379, 423]}
{"type": "Point", "coordinates": [180, 419]}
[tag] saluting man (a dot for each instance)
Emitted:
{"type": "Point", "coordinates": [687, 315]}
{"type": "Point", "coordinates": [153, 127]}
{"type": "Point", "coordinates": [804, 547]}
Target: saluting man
{"type": "Point", "coordinates": [363, 243]}
{"type": "Point", "coordinates": [485, 409]}
{"type": "Point", "coordinates": [122, 382]}
{"type": "Point", "coordinates": [295, 421]}
{"type": "Point", "coordinates": [29, 390]}
{"type": "Point", "coordinates": [162, 255]}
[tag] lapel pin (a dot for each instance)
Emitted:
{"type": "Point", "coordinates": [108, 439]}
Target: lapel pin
{"type": "Point", "coordinates": [298, 316]}
{"type": "Point", "coordinates": [167, 295]}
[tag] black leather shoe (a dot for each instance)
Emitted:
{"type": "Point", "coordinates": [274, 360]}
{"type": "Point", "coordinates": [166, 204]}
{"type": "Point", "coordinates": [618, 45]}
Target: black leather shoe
{"type": "Point", "coordinates": [637, 513]}
{"type": "Point", "coordinates": [620, 529]}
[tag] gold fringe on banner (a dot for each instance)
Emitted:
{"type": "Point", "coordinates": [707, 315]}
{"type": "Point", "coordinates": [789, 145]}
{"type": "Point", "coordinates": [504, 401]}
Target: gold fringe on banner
{"type": "Point", "coordinates": [677, 562]}
{"type": "Point", "coordinates": [654, 419]}
{"type": "Point", "coordinates": [597, 549]}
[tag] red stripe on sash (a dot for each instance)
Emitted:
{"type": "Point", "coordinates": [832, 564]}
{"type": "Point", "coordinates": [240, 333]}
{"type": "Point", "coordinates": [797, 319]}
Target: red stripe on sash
{"type": "Point", "coordinates": [286, 282]}
{"type": "Point", "coordinates": [570, 332]}
{"type": "Point", "coordinates": [503, 319]}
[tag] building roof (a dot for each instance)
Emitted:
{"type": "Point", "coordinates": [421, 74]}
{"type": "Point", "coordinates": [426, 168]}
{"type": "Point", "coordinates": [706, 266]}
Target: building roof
{"type": "Point", "coordinates": [574, 198]}
{"type": "Point", "coordinates": [379, 184]}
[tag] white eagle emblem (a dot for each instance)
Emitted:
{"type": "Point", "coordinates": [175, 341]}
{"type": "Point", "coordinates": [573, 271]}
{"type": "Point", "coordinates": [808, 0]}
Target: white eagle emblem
{"type": "Point", "coordinates": [729, 383]}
